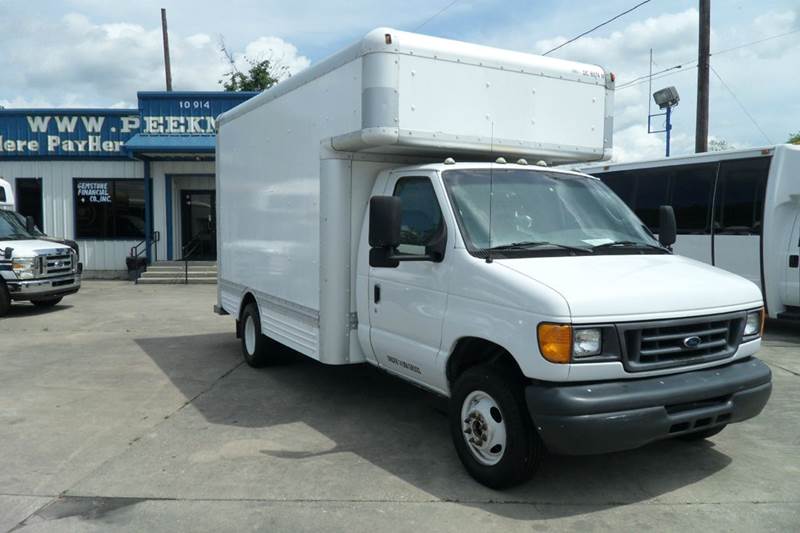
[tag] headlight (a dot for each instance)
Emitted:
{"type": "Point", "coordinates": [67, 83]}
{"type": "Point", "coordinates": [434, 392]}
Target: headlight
{"type": "Point", "coordinates": [24, 267]}
{"type": "Point", "coordinates": [754, 325]}
{"type": "Point", "coordinates": [587, 342]}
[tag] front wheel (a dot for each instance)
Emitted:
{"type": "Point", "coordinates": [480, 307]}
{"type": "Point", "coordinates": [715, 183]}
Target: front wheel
{"type": "Point", "coordinates": [491, 428]}
{"type": "Point", "coordinates": [49, 302]}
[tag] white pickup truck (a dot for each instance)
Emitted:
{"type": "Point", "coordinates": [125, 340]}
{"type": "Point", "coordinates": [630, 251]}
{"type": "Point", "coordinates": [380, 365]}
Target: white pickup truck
{"type": "Point", "coordinates": [32, 267]}
{"type": "Point", "coordinates": [364, 216]}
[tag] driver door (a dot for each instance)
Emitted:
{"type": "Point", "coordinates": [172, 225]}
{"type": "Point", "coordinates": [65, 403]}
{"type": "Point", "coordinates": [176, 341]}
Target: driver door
{"type": "Point", "coordinates": [407, 303]}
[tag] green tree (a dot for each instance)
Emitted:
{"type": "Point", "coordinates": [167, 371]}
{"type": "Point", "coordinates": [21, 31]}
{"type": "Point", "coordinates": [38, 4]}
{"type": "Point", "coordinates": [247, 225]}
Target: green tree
{"type": "Point", "coordinates": [262, 73]}
{"type": "Point", "coordinates": [794, 138]}
{"type": "Point", "coordinates": [719, 145]}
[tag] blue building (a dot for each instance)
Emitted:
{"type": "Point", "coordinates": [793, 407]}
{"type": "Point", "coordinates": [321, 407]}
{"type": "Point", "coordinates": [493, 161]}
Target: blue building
{"type": "Point", "coordinates": [117, 179]}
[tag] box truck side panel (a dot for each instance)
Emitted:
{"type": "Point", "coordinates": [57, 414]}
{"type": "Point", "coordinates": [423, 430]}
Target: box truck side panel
{"type": "Point", "coordinates": [268, 166]}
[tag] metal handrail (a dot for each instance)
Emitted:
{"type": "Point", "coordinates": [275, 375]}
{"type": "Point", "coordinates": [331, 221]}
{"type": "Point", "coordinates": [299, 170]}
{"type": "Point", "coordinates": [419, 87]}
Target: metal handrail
{"type": "Point", "coordinates": [186, 251]}
{"type": "Point", "coordinates": [136, 252]}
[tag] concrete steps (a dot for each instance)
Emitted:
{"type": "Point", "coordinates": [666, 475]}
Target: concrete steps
{"type": "Point", "coordinates": [174, 272]}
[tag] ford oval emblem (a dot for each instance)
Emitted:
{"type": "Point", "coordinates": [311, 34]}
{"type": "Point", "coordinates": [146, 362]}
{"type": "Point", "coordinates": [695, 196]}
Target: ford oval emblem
{"type": "Point", "coordinates": [692, 342]}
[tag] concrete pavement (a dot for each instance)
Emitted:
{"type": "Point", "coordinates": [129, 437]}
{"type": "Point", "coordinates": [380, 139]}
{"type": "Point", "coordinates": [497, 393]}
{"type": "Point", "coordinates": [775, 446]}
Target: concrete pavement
{"type": "Point", "coordinates": [128, 408]}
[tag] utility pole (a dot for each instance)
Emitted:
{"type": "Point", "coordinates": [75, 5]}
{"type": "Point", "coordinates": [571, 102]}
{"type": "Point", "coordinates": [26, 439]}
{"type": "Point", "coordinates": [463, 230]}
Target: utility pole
{"type": "Point", "coordinates": [167, 70]}
{"type": "Point", "coordinates": [703, 51]}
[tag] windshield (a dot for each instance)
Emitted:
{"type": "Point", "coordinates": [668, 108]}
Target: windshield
{"type": "Point", "coordinates": [523, 211]}
{"type": "Point", "coordinates": [12, 226]}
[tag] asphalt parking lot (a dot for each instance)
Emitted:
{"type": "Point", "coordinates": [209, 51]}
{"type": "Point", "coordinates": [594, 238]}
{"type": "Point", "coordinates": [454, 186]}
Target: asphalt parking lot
{"type": "Point", "coordinates": [129, 408]}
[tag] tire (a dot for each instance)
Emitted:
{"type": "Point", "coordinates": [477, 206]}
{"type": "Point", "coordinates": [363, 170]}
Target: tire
{"type": "Point", "coordinates": [49, 302]}
{"type": "Point", "coordinates": [487, 404]}
{"type": "Point", "coordinates": [5, 299]}
{"type": "Point", "coordinates": [254, 344]}
{"type": "Point", "coordinates": [701, 435]}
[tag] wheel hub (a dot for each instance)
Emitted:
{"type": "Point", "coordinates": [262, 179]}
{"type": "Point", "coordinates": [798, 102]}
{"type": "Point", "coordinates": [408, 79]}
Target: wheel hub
{"type": "Point", "coordinates": [483, 428]}
{"type": "Point", "coordinates": [250, 335]}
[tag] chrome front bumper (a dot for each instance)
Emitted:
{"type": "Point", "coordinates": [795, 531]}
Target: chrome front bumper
{"type": "Point", "coordinates": [40, 288]}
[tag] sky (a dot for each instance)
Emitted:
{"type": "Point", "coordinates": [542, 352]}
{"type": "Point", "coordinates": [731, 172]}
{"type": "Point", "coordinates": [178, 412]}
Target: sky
{"type": "Point", "coordinates": [96, 53]}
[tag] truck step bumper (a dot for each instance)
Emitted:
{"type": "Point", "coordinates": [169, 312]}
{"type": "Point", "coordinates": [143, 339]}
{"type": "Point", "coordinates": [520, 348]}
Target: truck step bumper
{"type": "Point", "coordinates": [605, 417]}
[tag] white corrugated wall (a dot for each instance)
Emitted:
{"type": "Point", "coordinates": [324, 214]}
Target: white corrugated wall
{"type": "Point", "coordinates": [58, 202]}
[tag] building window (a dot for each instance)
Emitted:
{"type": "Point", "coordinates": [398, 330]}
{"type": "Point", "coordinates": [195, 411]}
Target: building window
{"type": "Point", "coordinates": [29, 199]}
{"type": "Point", "coordinates": [109, 208]}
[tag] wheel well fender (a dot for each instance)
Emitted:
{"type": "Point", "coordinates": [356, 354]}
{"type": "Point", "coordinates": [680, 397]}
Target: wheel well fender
{"type": "Point", "coordinates": [472, 351]}
{"type": "Point", "coordinates": [247, 299]}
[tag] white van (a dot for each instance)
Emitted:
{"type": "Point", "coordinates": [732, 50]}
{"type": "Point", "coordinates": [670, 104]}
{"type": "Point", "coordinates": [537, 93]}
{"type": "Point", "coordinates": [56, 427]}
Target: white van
{"type": "Point", "coordinates": [33, 267]}
{"type": "Point", "coordinates": [738, 210]}
{"type": "Point", "coordinates": [365, 216]}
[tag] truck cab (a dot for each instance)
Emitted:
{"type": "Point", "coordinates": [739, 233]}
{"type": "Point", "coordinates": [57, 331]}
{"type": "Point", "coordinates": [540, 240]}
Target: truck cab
{"type": "Point", "coordinates": [32, 268]}
{"type": "Point", "coordinates": [509, 286]}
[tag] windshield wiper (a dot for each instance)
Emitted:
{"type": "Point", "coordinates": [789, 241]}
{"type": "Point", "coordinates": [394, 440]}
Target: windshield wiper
{"type": "Point", "coordinates": [525, 245]}
{"type": "Point", "coordinates": [16, 236]}
{"type": "Point", "coordinates": [629, 244]}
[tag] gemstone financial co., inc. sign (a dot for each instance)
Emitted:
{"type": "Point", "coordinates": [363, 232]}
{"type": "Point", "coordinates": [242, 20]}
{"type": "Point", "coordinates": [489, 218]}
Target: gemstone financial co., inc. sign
{"type": "Point", "coordinates": [103, 132]}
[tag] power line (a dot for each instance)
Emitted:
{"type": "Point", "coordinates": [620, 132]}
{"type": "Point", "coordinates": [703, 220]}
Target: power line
{"type": "Point", "coordinates": [741, 105]}
{"type": "Point", "coordinates": [646, 76]}
{"type": "Point", "coordinates": [640, 4]}
{"type": "Point", "coordinates": [731, 49]}
{"type": "Point", "coordinates": [445, 8]}
{"type": "Point", "coordinates": [634, 81]}
{"type": "Point", "coordinates": [678, 69]}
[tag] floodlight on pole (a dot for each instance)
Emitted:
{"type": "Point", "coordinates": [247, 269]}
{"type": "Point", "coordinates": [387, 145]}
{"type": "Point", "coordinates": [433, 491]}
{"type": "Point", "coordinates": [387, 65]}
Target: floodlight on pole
{"type": "Point", "coordinates": [665, 99]}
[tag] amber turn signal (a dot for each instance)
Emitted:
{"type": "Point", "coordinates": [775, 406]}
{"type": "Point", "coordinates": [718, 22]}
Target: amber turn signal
{"type": "Point", "coordinates": [555, 342]}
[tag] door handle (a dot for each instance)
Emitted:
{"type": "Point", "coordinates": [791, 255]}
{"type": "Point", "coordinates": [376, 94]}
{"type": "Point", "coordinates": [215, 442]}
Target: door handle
{"type": "Point", "coordinates": [376, 293]}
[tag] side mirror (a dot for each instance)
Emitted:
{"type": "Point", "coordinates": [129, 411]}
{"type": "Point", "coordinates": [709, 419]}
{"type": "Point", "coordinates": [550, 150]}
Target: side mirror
{"type": "Point", "coordinates": [385, 213]}
{"type": "Point", "coordinates": [667, 228]}
{"type": "Point", "coordinates": [30, 224]}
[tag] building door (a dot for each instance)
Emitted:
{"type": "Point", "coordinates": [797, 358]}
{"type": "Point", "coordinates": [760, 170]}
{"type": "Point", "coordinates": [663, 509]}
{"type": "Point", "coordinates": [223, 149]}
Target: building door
{"type": "Point", "coordinates": [29, 199]}
{"type": "Point", "coordinates": [199, 225]}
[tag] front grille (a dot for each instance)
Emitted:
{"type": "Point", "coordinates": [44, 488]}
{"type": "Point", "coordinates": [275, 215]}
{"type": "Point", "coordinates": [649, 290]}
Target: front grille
{"type": "Point", "coordinates": [688, 341]}
{"type": "Point", "coordinates": [57, 264]}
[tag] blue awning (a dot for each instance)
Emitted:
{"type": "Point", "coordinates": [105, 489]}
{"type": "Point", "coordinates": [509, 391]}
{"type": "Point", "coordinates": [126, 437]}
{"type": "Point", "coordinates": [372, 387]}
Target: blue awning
{"type": "Point", "coordinates": [175, 144]}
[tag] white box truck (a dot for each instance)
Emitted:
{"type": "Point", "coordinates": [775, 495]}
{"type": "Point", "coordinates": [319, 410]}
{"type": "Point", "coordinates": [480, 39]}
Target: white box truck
{"type": "Point", "coordinates": [365, 215]}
